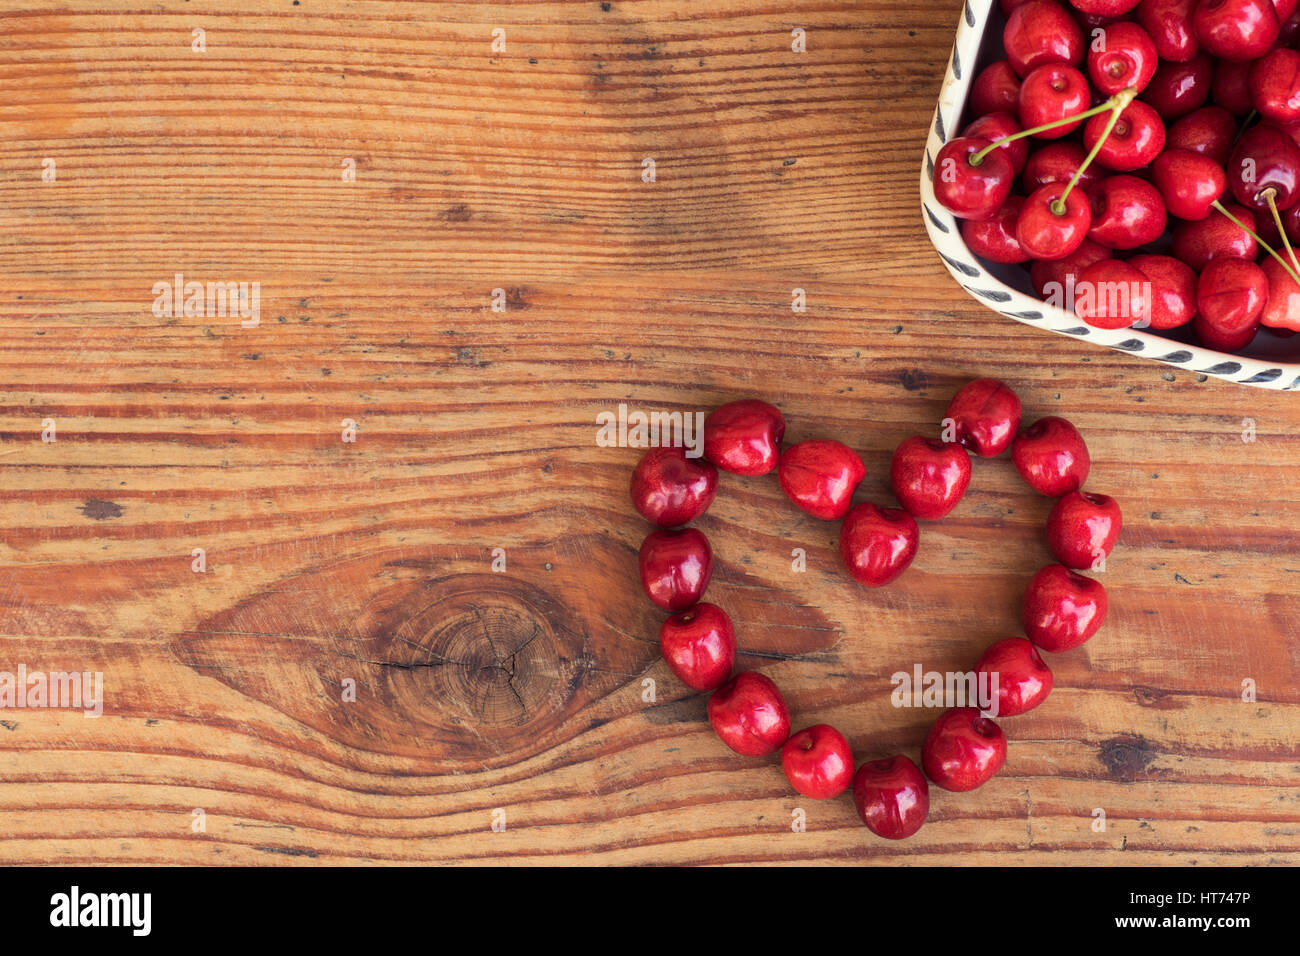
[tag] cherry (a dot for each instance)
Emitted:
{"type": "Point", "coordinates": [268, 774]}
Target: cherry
{"type": "Point", "coordinates": [1050, 276]}
{"type": "Point", "coordinates": [1283, 308]}
{"type": "Point", "coordinates": [670, 489]}
{"type": "Point", "coordinates": [1126, 58]}
{"type": "Point", "coordinates": [1051, 94]}
{"type": "Point", "coordinates": [1136, 139]}
{"type": "Point", "coordinates": [1231, 88]}
{"type": "Point", "coordinates": [1210, 131]}
{"type": "Point", "coordinates": [963, 750]}
{"type": "Point", "coordinates": [891, 797]}
{"type": "Point", "coordinates": [699, 646]}
{"type": "Point", "coordinates": [1188, 182]}
{"type": "Point", "coordinates": [1127, 212]}
{"type": "Point", "coordinates": [1082, 528]}
{"type": "Point", "coordinates": [750, 715]}
{"type": "Point", "coordinates": [1212, 338]}
{"type": "Point", "coordinates": [1231, 294]}
{"type": "Point", "coordinates": [1285, 9]}
{"type": "Point", "coordinates": [995, 239]}
{"type": "Point", "coordinates": [1236, 29]}
{"type": "Point", "coordinates": [985, 416]}
{"type": "Point", "coordinates": [818, 762]}
{"type": "Point", "coordinates": [820, 476]}
{"type": "Point", "coordinates": [877, 544]}
{"type": "Point", "coordinates": [1173, 290]}
{"type": "Point", "coordinates": [1169, 24]}
{"type": "Point", "coordinates": [1046, 233]}
{"type": "Point", "coordinates": [1041, 32]}
{"type": "Point", "coordinates": [995, 90]}
{"type": "Point", "coordinates": [929, 476]}
{"type": "Point", "coordinates": [1179, 88]}
{"type": "Point", "coordinates": [1051, 456]}
{"type": "Point", "coordinates": [1024, 681]}
{"type": "Point", "coordinates": [1275, 82]}
{"type": "Point", "coordinates": [996, 126]}
{"type": "Point", "coordinates": [972, 188]}
{"type": "Point", "coordinates": [1062, 609]}
{"type": "Point", "coordinates": [1104, 8]}
{"type": "Point", "coordinates": [675, 567]}
{"type": "Point", "coordinates": [744, 437]}
{"type": "Point", "coordinates": [1196, 243]}
{"type": "Point", "coordinates": [1111, 294]}
{"type": "Point", "coordinates": [1057, 163]}
{"type": "Point", "coordinates": [1265, 165]}
{"type": "Point", "coordinates": [1290, 29]}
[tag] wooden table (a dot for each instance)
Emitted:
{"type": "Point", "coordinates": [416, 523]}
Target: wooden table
{"type": "Point", "coordinates": [364, 569]}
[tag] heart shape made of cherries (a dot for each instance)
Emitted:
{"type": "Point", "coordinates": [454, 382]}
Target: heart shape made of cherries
{"type": "Point", "coordinates": [965, 748]}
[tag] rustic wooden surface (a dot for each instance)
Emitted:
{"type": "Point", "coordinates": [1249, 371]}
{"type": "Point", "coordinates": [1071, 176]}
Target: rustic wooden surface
{"type": "Point", "coordinates": [371, 561]}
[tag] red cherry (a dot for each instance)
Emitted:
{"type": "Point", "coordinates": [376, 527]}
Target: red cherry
{"type": "Point", "coordinates": [929, 476]}
{"type": "Point", "coordinates": [750, 715]}
{"type": "Point", "coordinates": [1136, 139]}
{"type": "Point", "coordinates": [1285, 9]}
{"type": "Point", "coordinates": [670, 489]}
{"type": "Point", "coordinates": [818, 762]}
{"type": "Point", "coordinates": [996, 126]}
{"type": "Point", "coordinates": [1236, 29]}
{"type": "Point", "coordinates": [1210, 131]}
{"type": "Point", "coordinates": [986, 416]}
{"type": "Point", "coordinates": [744, 437]}
{"type": "Point", "coordinates": [1051, 276]}
{"type": "Point", "coordinates": [1046, 234]}
{"type": "Point", "coordinates": [1126, 58]}
{"type": "Point", "coordinates": [1188, 182]}
{"type": "Point", "coordinates": [1111, 294]}
{"type": "Point", "coordinates": [1062, 609]}
{"type": "Point", "coordinates": [1127, 212]}
{"type": "Point", "coordinates": [1169, 24]}
{"type": "Point", "coordinates": [1051, 93]}
{"type": "Point", "coordinates": [1023, 680]}
{"type": "Point", "coordinates": [1231, 294]}
{"type": "Point", "coordinates": [995, 239]}
{"type": "Point", "coordinates": [1179, 88]}
{"type": "Point", "coordinates": [1040, 32]}
{"type": "Point", "coordinates": [820, 476]}
{"type": "Point", "coordinates": [1212, 338]}
{"type": "Point", "coordinates": [963, 750]}
{"type": "Point", "coordinates": [1196, 243]}
{"type": "Point", "coordinates": [1290, 31]}
{"type": "Point", "coordinates": [892, 797]}
{"type": "Point", "coordinates": [1231, 86]}
{"type": "Point", "coordinates": [877, 544]}
{"type": "Point", "coordinates": [968, 190]}
{"type": "Point", "coordinates": [996, 90]}
{"type": "Point", "coordinates": [1083, 528]}
{"type": "Point", "coordinates": [1265, 159]}
{"type": "Point", "coordinates": [1057, 163]}
{"type": "Point", "coordinates": [1104, 8]}
{"type": "Point", "coordinates": [1173, 290]}
{"type": "Point", "coordinates": [675, 567]}
{"type": "Point", "coordinates": [1051, 456]}
{"type": "Point", "coordinates": [699, 646]}
{"type": "Point", "coordinates": [1283, 308]}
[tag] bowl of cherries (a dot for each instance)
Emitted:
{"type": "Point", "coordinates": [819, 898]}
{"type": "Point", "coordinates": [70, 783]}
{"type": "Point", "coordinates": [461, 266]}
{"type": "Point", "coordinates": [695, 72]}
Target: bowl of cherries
{"type": "Point", "coordinates": [1128, 171]}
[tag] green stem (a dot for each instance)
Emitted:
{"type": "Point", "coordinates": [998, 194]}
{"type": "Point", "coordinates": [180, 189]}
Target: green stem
{"type": "Point", "coordinates": [1294, 274]}
{"type": "Point", "coordinates": [1120, 99]}
{"type": "Point", "coordinates": [1058, 205]}
{"type": "Point", "coordinates": [1269, 196]}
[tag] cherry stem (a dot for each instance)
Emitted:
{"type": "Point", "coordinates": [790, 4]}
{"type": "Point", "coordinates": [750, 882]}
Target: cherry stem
{"type": "Point", "coordinates": [1123, 98]}
{"type": "Point", "coordinates": [1293, 273]}
{"type": "Point", "coordinates": [1270, 195]}
{"type": "Point", "coordinates": [1119, 100]}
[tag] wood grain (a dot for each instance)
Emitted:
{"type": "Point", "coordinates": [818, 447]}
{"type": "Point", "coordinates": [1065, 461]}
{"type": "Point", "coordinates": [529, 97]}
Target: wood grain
{"type": "Point", "coordinates": [371, 561]}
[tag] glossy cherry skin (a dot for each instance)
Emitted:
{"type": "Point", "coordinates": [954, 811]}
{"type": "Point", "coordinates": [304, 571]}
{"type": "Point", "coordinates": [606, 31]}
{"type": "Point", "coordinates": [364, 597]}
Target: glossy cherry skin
{"type": "Point", "coordinates": [1062, 609]}
{"type": "Point", "coordinates": [670, 489]}
{"type": "Point", "coordinates": [699, 646]}
{"type": "Point", "coordinates": [1290, 30]}
{"type": "Point", "coordinates": [1231, 294]}
{"type": "Point", "coordinates": [1128, 59]}
{"type": "Point", "coordinates": [996, 126]}
{"type": "Point", "coordinates": [1136, 139]}
{"type": "Point", "coordinates": [892, 797]}
{"type": "Point", "coordinates": [972, 191]}
{"type": "Point", "coordinates": [1179, 88]}
{"type": "Point", "coordinates": [986, 416]}
{"type": "Point", "coordinates": [963, 750]}
{"type": "Point", "coordinates": [1188, 182]}
{"type": "Point", "coordinates": [1231, 87]}
{"type": "Point", "coordinates": [820, 476]}
{"type": "Point", "coordinates": [995, 239]}
{"type": "Point", "coordinates": [1057, 163]}
{"type": "Point", "coordinates": [1051, 456]}
{"type": "Point", "coordinates": [1082, 528]}
{"type": "Point", "coordinates": [1127, 212]}
{"type": "Point", "coordinates": [1196, 243]}
{"type": "Point", "coordinates": [1041, 32]}
{"type": "Point", "coordinates": [818, 762]}
{"type": "Point", "coordinates": [878, 544]}
{"type": "Point", "coordinates": [1283, 308]}
{"type": "Point", "coordinates": [1210, 131]}
{"type": "Point", "coordinates": [1265, 158]}
{"type": "Point", "coordinates": [1045, 234]}
{"type": "Point", "coordinates": [1111, 294]}
{"type": "Point", "coordinates": [1024, 681]}
{"type": "Point", "coordinates": [1285, 9]}
{"type": "Point", "coordinates": [749, 714]}
{"type": "Point", "coordinates": [1051, 276]}
{"type": "Point", "coordinates": [1051, 93]}
{"type": "Point", "coordinates": [1104, 8]}
{"type": "Point", "coordinates": [1275, 82]}
{"type": "Point", "coordinates": [929, 476]}
{"type": "Point", "coordinates": [1212, 338]}
{"type": "Point", "coordinates": [675, 567]}
{"type": "Point", "coordinates": [996, 90]}
{"type": "Point", "coordinates": [1236, 29]}
{"type": "Point", "coordinates": [1169, 24]}
{"type": "Point", "coordinates": [744, 437]}
{"type": "Point", "coordinates": [1173, 290]}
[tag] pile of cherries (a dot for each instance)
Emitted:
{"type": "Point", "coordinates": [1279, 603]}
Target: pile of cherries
{"type": "Point", "coordinates": [1154, 143]}
{"type": "Point", "coordinates": [963, 749]}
